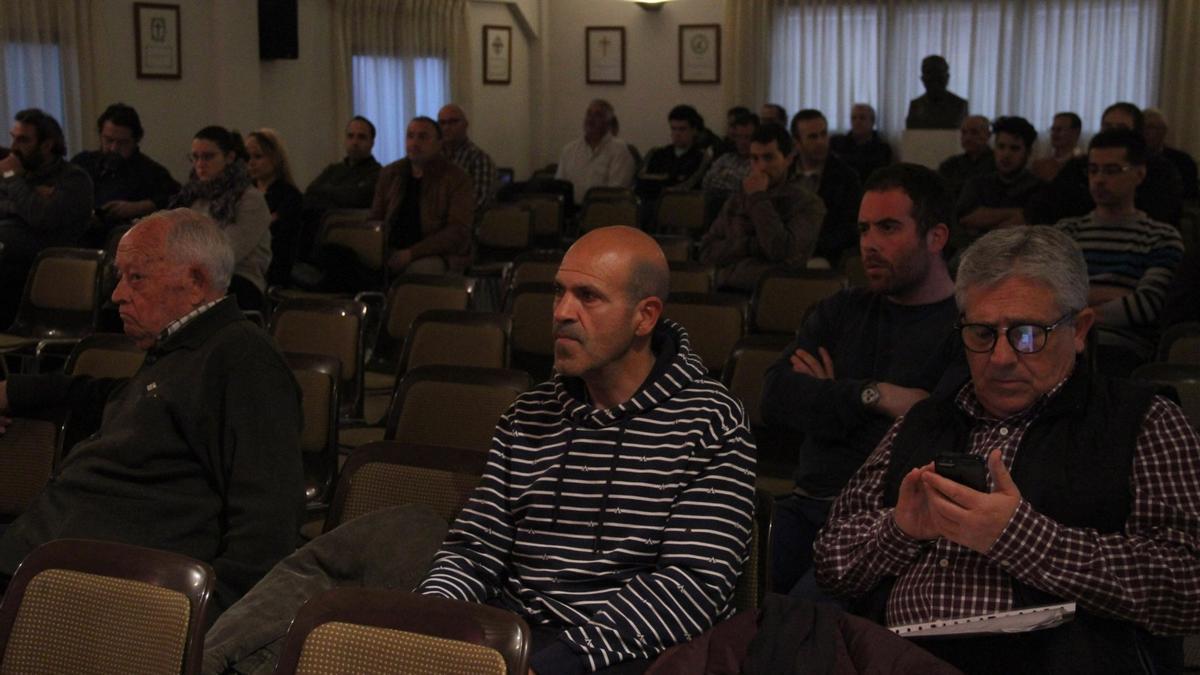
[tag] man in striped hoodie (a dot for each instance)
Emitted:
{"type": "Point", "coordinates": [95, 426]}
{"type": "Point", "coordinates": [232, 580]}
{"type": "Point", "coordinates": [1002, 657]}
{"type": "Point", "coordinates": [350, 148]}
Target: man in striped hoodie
{"type": "Point", "coordinates": [615, 510]}
{"type": "Point", "coordinates": [1131, 258]}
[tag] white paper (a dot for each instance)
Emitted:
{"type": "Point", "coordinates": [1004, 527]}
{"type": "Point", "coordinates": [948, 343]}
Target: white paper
{"type": "Point", "coordinates": [1016, 621]}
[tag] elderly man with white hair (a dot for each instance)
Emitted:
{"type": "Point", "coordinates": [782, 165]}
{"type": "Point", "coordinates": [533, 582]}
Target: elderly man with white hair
{"type": "Point", "coordinates": [197, 453]}
{"type": "Point", "coordinates": [1035, 482]}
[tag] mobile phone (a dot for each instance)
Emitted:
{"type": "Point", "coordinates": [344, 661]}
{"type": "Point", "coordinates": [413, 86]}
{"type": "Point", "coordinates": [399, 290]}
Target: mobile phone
{"type": "Point", "coordinates": [968, 470]}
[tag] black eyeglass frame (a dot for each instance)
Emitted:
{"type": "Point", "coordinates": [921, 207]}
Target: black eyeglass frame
{"type": "Point", "coordinates": [1010, 335]}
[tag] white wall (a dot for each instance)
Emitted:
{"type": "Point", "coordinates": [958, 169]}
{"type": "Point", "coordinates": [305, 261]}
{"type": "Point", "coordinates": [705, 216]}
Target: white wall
{"type": "Point", "coordinates": [651, 86]}
{"type": "Point", "coordinates": [499, 112]}
{"type": "Point", "coordinates": [224, 82]}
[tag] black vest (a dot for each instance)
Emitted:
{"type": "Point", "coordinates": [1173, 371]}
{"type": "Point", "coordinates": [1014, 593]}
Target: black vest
{"type": "Point", "coordinates": [1073, 465]}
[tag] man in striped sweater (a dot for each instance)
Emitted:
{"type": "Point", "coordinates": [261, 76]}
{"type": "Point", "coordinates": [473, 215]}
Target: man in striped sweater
{"type": "Point", "coordinates": [615, 510]}
{"type": "Point", "coordinates": [1131, 258]}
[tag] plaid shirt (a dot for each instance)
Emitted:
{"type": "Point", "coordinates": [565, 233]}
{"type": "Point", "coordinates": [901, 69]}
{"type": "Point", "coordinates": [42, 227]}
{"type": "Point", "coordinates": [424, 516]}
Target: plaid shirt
{"type": "Point", "coordinates": [727, 173]}
{"type": "Point", "coordinates": [1149, 574]}
{"type": "Point", "coordinates": [182, 321]}
{"type": "Point", "coordinates": [479, 167]}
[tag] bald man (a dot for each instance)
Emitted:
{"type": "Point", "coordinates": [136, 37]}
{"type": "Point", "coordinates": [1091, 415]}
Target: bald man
{"type": "Point", "coordinates": [977, 158]}
{"type": "Point", "coordinates": [615, 510]}
{"type": "Point", "coordinates": [460, 150]}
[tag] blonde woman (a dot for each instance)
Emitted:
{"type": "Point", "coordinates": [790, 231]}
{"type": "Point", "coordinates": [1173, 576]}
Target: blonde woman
{"type": "Point", "coordinates": [271, 173]}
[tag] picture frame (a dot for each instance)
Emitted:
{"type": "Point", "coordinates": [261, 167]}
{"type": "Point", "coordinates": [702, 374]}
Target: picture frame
{"type": "Point", "coordinates": [605, 54]}
{"type": "Point", "coordinates": [497, 54]}
{"type": "Point", "coordinates": [157, 41]}
{"type": "Point", "coordinates": [700, 53]}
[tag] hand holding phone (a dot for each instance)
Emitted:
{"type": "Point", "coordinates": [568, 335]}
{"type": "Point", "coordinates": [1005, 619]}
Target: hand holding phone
{"type": "Point", "coordinates": [964, 469]}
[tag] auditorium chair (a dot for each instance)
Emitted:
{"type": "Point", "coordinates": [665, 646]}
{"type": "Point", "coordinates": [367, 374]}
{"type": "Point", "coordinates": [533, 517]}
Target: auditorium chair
{"type": "Point", "coordinates": [318, 377]}
{"type": "Point", "coordinates": [330, 327]}
{"type": "Point", "coordinates": [714, 323]}
{"type": "Point", "coordinates": [531, 307]}
{"type": "Point", "coordinates": [782, 297]}
{"type": "Point", "coordinates": [452, 405]}
{"type": "Point", "coordinates": [456, 337]}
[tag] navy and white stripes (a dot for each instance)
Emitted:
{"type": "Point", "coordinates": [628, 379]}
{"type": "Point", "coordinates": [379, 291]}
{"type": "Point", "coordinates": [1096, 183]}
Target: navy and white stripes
{"type": "Point", "coordinates": [628, 526]}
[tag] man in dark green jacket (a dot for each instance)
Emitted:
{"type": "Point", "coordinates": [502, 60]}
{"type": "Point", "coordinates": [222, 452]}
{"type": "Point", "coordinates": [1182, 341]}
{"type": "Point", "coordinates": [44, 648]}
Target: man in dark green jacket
{"type": "Point", "coordinates": [197, 453]}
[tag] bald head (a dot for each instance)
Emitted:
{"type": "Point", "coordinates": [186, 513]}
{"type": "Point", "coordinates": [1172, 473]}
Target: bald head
{"type": "Point", "coordinates": [453, 122]}
{"type": "Point", "coordinates": [632, 255]}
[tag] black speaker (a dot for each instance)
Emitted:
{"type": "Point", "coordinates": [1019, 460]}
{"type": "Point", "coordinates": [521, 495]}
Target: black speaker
{"type": "Point", "coordinates": [278, 29]}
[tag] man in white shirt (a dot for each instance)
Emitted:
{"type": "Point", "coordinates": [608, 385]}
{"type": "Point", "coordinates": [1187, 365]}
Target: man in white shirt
{"type": "Point", "coordinates": [598, 158]}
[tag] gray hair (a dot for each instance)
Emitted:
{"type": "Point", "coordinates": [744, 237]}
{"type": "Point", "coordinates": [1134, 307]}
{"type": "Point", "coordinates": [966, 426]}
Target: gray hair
{"type": "Point", "coordinates": [196, 239]}
{"type": "Point", "coordinates": [1039, 253]}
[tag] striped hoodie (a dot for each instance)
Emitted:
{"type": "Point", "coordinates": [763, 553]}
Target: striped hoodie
{"type": "Point", "coordinates": [626, 528]}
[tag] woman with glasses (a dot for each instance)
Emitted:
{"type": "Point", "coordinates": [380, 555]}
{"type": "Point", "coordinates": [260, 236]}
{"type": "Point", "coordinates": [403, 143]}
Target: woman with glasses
{"type": "Point", "coordinates": [220, 187]}
{"type": "Point", "coordinates": [272, 174]}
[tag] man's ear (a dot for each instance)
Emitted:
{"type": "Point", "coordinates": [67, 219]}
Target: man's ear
{"type": "Point", "coordinates": [1083, 323]}
{"type": "Point", "coordinates": [649, 311]}
{"type": "Point", "coordinates": [937, 237]}
{"type": "Point", "coordinates": [200, 282]}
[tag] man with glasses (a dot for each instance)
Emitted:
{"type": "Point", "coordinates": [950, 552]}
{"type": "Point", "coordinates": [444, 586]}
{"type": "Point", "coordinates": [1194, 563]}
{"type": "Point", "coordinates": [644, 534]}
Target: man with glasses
{"type": "Point", "coordinates": [1131, 258]}
{"type": "Point", "coordinates": [1092, 486]}
{"type": "Point", "coordinates": [460, 150]}
{"type": "Point", "coordinates": [863, 357]}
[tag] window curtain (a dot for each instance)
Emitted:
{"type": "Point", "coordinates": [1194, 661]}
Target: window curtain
{"type": "Point", "coordinates": [1181, 64]}
{"type": "Point", "coordinates": [414, 30]}
{"type": "Point", "coordinates": [1031, 58]}
{"type": "Point", "coordinates": [46, 62]}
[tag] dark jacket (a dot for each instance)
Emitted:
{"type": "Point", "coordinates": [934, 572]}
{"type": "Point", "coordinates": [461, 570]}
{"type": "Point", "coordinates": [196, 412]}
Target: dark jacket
{"type": "Point", "coordinates": [197, 453]}
{"type": "Point", "coordinates": [133, 180]}
{"type": "Point", "coordinates": [52, 203]}
{"type": "Point", "coordinates": [344, 185]}
{"type": "Point", "coordinates": [447, 207]}
{"type": "Point", "coordinates": [792, 636]}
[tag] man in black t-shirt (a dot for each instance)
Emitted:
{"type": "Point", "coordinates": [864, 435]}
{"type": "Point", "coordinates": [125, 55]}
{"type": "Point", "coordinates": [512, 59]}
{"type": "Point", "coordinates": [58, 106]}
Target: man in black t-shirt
{"type": "Point", "coordinates": [863, 357]}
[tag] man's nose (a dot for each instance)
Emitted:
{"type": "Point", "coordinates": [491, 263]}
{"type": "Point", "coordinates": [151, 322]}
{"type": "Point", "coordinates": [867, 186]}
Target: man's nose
{"type": "Point", "coordinates": [1003, 353]}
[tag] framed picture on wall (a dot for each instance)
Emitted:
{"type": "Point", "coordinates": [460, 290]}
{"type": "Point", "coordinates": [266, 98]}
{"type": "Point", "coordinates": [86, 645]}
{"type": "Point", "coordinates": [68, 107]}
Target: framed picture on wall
{"type": "Point", "coordinates": [700, 53]}
{"type": "Point", "coordinates": [156, 31]}
{"type": "Point", "coordinates": [605, 54]}
{"type": "Point", "coordinates": [497, 54]}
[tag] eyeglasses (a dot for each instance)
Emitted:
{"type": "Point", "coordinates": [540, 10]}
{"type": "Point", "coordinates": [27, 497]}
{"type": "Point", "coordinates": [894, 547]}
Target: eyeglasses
{"type": "Point", "coordinates": [201, 156]}
{"type": "Point", "coordinates": [1026, 338]}
{"type": "Point", "coordinates": [1108, 169]}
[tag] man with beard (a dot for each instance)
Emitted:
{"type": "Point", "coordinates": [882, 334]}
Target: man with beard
{"type": "Point", "coordinates": [127, 183]}
{"type": "Point", "coordinates": [44, 201]}
{"type": "Point", "coordinates": [863, 357]}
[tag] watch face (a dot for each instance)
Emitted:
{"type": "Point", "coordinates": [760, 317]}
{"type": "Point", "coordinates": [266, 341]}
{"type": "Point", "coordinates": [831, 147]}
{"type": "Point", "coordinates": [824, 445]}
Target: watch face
{"type": "Point", "coordinates": [870, 395]}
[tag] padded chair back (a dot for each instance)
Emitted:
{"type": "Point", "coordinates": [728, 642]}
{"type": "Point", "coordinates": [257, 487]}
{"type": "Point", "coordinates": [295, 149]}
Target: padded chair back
{"type": "Point", "coordinates": [747, 368]}
{"type": "Point", "coordinates": [105, 355]}
{"type": "Point", "coordinates": [457, 406]}
{"type": "Point", "coordinates": [365, 238]}
{"type": "Point", "coordinates": [458, 338]}
{"type": "Point", "coordinates": [389, 473]}
{"type": "Point", "coordinates": [368, 630]}
{"type": "Point", "coordinates": [677, 247]}
{"type": "Point", "coordinates": [603, 213]}
{"type": "Point", "coordinates": [782, 297]}
{"type": "Point", "coordinates": [318, 377]}
{"type": "Point", "coordinates": [681, 212]}
{"type": "Point", "coordinates": [28, 451]}
{"type": "Point", "coordinates": [1184, 378]}
{"type": "Point", "coordinates": [547, 214]}
{"type": "Point", "coordinates": [1181, 344]}
{"type": "Point", "coordinates": [604, 193]}
{"type": "Point", "coordinates": [62, 294]}
{"type": "Point", "coordinates": [327, 327]}
{"type": "Point", "coordinates": [752, 583]}
{"type": "Point", "coordinates": [505, 229]}
{"type": "Point", "coordinates": [410, 295]}
{"type": "Point", "coordinates": [714, 323]}
{"type": "Point", "coordinates": [692, 277]}
{"type": "Point", "coordinates": [535, 267]}
{"type": "Point", "coordinates": [532, 310]}
{"type": "Point", "coordinates": [80, 606]}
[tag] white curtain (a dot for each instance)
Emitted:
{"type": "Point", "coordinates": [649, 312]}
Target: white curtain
{"type": "Point", "coordinates": [1031, 58]}
{"type": "Point", "coordinates": [396, 59]}
{"type": "Point", "coordinates": [1181, 65]}
{"type": "Point", "coordinates": [46, 62]}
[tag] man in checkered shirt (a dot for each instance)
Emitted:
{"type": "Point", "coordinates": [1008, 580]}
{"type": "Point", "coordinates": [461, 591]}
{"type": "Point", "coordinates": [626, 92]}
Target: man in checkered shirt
{"type": "Point", "coordinates": [1093, 487]}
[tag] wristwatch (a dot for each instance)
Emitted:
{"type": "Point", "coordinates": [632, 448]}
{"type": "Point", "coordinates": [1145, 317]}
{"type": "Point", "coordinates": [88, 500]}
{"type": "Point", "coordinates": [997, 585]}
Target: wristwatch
{"type": "Point", "coordinates": [869, 396]}
{"type": "Point", "coordinates": [9, 174]}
